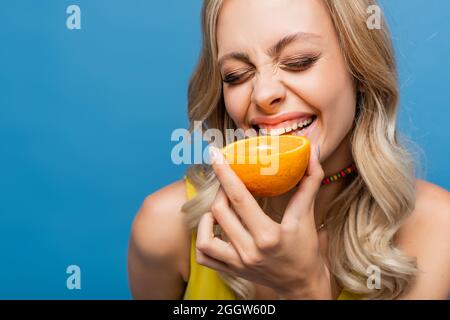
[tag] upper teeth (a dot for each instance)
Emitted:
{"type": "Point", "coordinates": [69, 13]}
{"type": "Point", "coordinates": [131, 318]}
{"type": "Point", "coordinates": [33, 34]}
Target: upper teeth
{"type": "Point", "coordinates": [289, 128]}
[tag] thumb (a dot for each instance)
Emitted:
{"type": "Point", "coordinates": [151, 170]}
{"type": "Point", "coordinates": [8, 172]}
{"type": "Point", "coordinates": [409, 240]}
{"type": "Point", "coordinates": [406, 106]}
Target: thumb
{"type": "Point", "coordinates": [303, 198]}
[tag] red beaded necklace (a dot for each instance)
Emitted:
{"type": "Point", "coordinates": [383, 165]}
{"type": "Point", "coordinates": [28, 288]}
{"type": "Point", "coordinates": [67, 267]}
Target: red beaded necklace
{"type": "Point", "coordinates": [341, 174]}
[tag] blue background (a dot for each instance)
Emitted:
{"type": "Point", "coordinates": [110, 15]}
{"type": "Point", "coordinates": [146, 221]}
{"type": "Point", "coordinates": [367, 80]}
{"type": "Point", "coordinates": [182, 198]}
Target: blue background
{"type": "Point", "coordinates": [86, 117]}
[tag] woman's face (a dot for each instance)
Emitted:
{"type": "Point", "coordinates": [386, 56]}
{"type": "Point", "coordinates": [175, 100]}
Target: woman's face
{"type": "Point", "coordinates": [282, 67]}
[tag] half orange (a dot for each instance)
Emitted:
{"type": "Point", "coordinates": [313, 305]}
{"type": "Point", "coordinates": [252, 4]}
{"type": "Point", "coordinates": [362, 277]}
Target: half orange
{"type": "Point", "coordinates": [269, 165]}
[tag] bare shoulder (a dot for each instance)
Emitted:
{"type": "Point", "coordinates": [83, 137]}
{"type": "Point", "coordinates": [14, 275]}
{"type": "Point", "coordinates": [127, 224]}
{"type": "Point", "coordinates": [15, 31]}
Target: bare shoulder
{"type": "Point", "coordinates": [432, 207]}
{"type": "Point", "coordinates": [158, 228]}
{"type": "Point", "coordinates": [158, 257]}
{"type": "Point", "coordinates": [425, 235]}
{"type": "Point", "coordinates": [432, 195]}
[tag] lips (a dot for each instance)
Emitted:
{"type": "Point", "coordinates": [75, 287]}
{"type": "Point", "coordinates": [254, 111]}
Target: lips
{"type": "Point", "coordinates": [274, 122]}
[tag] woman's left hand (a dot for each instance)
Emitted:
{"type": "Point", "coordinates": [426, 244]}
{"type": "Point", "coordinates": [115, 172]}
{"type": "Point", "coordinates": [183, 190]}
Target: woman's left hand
{"type": "Point", "coordinates": [283, 256]}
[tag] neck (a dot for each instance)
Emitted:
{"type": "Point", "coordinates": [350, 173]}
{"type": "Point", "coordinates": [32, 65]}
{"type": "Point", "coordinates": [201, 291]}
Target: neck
{"type": "Point", "coordinates": [339, 159]}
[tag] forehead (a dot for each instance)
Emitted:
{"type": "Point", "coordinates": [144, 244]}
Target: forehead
{"type": "Point", "coordinates": [247, 25]}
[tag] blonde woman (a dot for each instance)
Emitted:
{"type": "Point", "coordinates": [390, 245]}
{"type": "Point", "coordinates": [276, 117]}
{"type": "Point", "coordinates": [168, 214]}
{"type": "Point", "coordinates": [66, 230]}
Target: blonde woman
{"type": "Point", "coordinates": [285, 65]}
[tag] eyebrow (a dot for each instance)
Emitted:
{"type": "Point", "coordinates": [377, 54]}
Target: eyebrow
{"type": "Point", "coordinates": [273, 51]}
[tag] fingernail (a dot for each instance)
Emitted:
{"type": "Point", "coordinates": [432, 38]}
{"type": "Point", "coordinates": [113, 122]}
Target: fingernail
{"type": "Point", "coordinates": [213, 153]}
{"type": "Point", "coordinates": [216, 156]}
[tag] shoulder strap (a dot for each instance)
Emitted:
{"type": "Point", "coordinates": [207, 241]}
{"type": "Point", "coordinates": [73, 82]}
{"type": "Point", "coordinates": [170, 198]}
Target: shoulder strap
{"type": "Point", "coordinates": [190, 189]}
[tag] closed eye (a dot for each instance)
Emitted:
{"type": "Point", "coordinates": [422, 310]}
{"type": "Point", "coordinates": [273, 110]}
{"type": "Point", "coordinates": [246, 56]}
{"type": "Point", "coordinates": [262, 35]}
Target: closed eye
{"type": "Point", "coordinates": [236, 78]}
{"type": "Point", "coordinates": [301, 64]}
{"type": "Point", "coordinates": [292, 65]}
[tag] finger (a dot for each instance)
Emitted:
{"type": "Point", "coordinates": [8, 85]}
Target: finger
{"type": "Point", "coordinates": [214, 247]}
{"type": "Point", "coordinates": [241, 199]}
{"type": "Point", "coordinates": [209, 262]}
{"type": "Point", "coordinates": [230, 223]}
{"type": "Point", "coordinates": [304, 198]}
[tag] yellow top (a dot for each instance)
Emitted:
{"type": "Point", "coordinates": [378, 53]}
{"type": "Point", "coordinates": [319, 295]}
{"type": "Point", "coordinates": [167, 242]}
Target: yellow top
{"type": "Point", "coordinates": [206, 284]}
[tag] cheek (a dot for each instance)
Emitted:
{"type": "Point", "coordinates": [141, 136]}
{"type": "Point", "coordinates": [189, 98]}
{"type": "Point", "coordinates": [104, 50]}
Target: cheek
{"type": "Point", "coordinates": [237, 100]}
{"type": "Point", "coordinates": [328, 88]}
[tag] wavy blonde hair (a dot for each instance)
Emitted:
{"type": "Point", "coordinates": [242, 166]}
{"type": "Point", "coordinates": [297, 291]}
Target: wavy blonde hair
{"type": "Point", "coordinates": [366, 216]}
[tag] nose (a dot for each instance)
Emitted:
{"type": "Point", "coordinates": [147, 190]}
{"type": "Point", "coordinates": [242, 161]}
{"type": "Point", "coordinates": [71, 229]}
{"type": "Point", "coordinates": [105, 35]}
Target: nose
{"type": "Point", "coordinates": [268, 91]}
